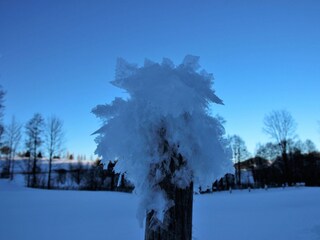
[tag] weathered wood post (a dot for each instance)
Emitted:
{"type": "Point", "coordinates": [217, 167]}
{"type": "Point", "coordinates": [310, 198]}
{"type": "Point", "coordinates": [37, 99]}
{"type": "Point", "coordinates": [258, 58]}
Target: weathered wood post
{"type": "Point", "coordinates": [177, 223]}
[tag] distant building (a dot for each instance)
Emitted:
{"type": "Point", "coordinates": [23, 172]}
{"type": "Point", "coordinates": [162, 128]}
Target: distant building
{"type": "Point", "coordinates": [252, 171]}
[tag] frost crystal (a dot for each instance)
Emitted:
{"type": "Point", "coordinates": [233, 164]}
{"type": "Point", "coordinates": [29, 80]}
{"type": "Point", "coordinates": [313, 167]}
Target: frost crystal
{"type": "Point", "coordinates": [164, 121]}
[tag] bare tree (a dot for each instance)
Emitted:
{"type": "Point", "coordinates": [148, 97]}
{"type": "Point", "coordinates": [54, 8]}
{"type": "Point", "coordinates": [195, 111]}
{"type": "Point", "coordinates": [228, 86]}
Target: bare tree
{"type": "Point", "coordinates": [2, 94]}
{"type": "Point", "coordinates": [309, 146]}
{"type": "Point", "coordinates": [239, 153]}
{"type": "Point", "coordinates": [269, 151]}
{"type": "Point", "coordinates": [34, 131]}
{"type": "Point", "coordinates": [54, 141]}
{"type": "Point", "coordinates": [281, 126]}
{"type": "Point", "coordinates": [13, 138]}
{"type": "Point", "coordinates": [319, 127]}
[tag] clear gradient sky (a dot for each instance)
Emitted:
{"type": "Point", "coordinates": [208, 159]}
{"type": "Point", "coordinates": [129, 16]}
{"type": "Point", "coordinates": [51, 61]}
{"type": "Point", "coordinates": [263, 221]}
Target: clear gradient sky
{"type": "Point", "coordinates": [57, 57]}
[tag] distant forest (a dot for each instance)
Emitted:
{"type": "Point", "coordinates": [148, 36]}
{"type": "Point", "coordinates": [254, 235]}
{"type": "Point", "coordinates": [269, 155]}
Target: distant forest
{"type": "Point", "coordinates": [37, 148]}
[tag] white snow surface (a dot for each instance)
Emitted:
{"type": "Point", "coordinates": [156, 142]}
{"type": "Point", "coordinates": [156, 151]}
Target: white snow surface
{"type": "Point", "coordinates": [166, 103]}
{"type": "Point", "coordinates": [280, 214]}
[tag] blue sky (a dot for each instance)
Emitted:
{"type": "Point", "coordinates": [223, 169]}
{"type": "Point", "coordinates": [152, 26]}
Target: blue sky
{"type": "Point", "coordinates": [57, 57]}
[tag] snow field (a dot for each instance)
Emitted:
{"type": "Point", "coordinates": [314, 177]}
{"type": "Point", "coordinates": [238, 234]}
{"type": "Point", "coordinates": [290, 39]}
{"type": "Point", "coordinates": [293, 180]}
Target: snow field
{"type": "Point", "coordinates": [291, 213]}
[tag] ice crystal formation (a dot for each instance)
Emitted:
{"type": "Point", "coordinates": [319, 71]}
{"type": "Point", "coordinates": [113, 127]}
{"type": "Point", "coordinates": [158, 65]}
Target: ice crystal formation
{"type": "Point", "coordinates": [166, 113]}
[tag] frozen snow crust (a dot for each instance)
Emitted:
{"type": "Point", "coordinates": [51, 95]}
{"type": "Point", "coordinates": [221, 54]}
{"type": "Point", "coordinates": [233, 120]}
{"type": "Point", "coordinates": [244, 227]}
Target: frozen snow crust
{"type": "Point", "coordinates": [170, 104]}
{"type": "Point", "coordinates": [276, 214]}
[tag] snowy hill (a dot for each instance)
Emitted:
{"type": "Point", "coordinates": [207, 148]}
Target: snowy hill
{"type": "Point", "coordinates": [291, 213]}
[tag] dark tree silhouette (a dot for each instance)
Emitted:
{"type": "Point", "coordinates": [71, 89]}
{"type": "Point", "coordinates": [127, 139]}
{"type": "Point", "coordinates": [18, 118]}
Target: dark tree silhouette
{"type": "Point", "coordinates": [54, 140]}
{"type": "Point", "coordinates": [240, 153]}
{"type": "Point", "coordinates": [13, 138]}
{"type": "Point", "coordinates": [34, 132]}
{"type": "Point", "coordinates": [2, 94]}
{"type": "Point", "coordinates": [269, 151]}
{"type": "Point", "coordinates": [281, 126]}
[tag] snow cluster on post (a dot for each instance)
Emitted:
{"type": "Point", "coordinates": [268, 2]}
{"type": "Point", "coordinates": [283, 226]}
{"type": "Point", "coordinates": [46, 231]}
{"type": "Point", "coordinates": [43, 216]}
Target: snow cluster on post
{"type": "Point", "coordinates": [163, 131]}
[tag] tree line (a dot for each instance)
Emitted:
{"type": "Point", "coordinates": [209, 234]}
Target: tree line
{"type": "Point", "coordinates": [290, 157]}
{"type": "Point", "coordinates": [49, 135]}
{"type": "Point", "coordinates": [39, 132]}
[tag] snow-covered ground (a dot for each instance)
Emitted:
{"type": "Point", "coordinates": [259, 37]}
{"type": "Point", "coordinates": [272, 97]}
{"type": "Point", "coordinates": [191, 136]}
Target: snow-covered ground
{"type": "Point", "coordinates": [291, 213]}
